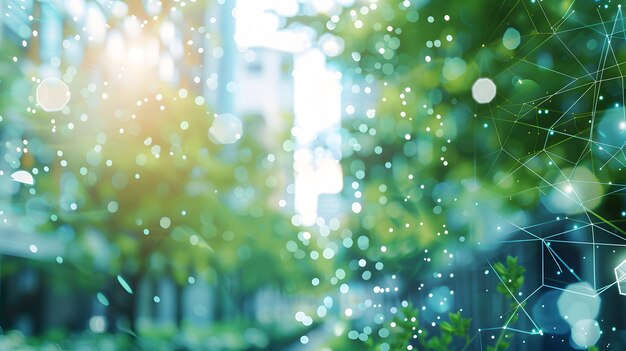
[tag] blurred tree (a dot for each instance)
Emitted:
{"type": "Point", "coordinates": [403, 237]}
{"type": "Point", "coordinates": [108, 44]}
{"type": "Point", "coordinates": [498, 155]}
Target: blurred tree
{"type": "Point", "coordinates": [432, 163]}
{"type": "Point", "coordinates": [129, 181]}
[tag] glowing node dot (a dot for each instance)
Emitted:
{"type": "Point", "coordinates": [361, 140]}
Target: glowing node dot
{"type": "Point", "coordinates": [483, 90]}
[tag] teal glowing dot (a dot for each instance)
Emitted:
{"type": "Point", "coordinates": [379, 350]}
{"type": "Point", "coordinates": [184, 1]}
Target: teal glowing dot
{"type": "Point", "coordinates": [156, 299]}
{"type": "Point", "coordinates": [146, 231]}
{"type": "Point", "coordinates": [485, 125]}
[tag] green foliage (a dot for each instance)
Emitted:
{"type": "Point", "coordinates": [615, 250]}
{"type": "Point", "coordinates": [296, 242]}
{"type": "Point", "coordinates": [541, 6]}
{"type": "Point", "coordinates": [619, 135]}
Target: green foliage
{"type": "Point", "coordinates": [457, 326]}
{"type": "Point", "coordinates": [406, 327]}
{"type": "Point", "coordinates": [454, 334]}
{"type": "Point", "coordinates": [511, 276]}
{"type": "Point", "coordinates": [128, 163]}
{"type": "Point", "coordinates": [235, 335]}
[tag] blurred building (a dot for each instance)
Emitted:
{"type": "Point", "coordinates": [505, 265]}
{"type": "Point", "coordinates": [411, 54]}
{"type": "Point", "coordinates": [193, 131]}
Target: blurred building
{"type": "Point", "coordinates": [245, 66]}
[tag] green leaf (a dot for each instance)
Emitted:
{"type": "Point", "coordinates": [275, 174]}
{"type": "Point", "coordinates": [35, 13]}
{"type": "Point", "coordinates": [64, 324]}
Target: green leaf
{"type": "Point", "coordinates": [447, 327]}
{"type": "Point", "coordinates": [511, 276]}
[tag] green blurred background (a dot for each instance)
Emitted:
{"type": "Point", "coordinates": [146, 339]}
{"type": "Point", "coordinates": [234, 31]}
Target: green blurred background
{"type": "Point", "coordinates": [311, 175]}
